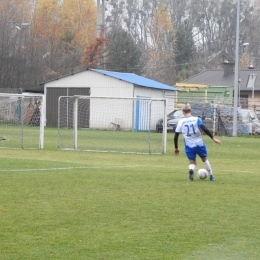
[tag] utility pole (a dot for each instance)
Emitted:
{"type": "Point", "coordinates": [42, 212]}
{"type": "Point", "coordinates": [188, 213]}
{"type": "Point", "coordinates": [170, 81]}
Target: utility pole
{"type": "Point", "coordinates": [100, 16]}
{"type": "Point", "coordinates": [236, 72]}
{"type": "Point", "coordinates": [101, 23]}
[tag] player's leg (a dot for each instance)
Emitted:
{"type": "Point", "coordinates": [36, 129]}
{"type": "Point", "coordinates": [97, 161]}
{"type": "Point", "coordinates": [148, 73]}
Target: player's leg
{"type": "Point", "coordinates": [202, 152]}
{"type": "Point", "coordinates": [208, 168]}
{"type": "Point", "coordinates": [192, 166]}
{"type": "Point", "coordinates": [191, 154]}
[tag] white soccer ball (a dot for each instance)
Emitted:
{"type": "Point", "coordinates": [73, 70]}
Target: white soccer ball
{"type": "Point", "coordinates": [202, 174]}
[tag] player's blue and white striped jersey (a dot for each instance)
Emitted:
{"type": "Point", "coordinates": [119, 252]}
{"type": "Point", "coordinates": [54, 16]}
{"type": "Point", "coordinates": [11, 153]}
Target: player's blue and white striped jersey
{"type": "Point", "coordinates": [189, 128]}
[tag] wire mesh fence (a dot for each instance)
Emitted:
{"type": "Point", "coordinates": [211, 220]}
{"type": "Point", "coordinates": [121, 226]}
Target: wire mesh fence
{"type": "Point", "coordinates": [21, 121]}
{"type": "Point", "coordinates": [217, 114]}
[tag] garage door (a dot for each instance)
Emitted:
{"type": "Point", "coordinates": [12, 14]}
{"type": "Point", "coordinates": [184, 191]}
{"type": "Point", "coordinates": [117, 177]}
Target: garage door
{"type": "Point", "coordinates": [52, 97]}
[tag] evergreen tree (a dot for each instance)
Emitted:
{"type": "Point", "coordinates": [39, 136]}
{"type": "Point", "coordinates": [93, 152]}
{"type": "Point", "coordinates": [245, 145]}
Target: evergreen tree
{"type": "Point", "coordinates": [184, 51]}
{"type": "Point", "coordinates": [123, 53]}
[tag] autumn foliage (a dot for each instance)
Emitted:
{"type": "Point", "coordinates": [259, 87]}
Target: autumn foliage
{"type": "Point", "coordinates": [94, 51]}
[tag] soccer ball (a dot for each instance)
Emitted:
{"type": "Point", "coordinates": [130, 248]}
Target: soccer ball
{"type": "Point", "coordinates": [202, 174]}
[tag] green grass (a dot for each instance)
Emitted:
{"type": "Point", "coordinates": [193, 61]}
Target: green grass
{"type": "Point", "coordinates": [13, 133]}
{"type": "Point", "coordinates": [103, 140]}
{"type": "Point", "coordinates": [81, 205]}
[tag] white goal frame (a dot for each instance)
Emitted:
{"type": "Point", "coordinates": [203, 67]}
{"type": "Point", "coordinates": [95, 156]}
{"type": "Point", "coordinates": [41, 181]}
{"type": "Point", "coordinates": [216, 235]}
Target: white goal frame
{"type": "Point", "coordinates": [116, 117]}
{"type": "Point", "coordinates": [21, 121]}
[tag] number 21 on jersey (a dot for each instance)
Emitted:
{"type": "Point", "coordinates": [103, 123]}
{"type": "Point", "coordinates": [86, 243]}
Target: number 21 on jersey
{"type": "Point", "coordinates": [190, 129]}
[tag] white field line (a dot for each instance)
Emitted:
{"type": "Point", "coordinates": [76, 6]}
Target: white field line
{"type": "Point", "coordinates": [44, 169]}
{"type": "Point", "coordinates": [70, 168]}
{"type": "Point", "coordinates": [236, 171]}
{"type": "Point", "coordinates": [107, 166]}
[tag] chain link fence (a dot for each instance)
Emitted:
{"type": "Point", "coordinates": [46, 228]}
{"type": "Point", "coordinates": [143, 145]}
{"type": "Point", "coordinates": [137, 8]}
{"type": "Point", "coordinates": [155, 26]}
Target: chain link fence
{"type": "Point", "coordinates": [217, 114]}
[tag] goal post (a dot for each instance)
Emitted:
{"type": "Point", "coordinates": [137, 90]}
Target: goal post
{"type": "Point", "coordinates": [112, 124]}
{"type": "Point", "coordinates": [21, 121]}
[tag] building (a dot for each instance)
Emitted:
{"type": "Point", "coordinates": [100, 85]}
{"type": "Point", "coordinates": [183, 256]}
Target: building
{"type": "Point", "coordinates": [220, 82]}
{"type": "Point", "coordinates": [249, 85]}
{"type": "Point", "coordinates": [94, 82]}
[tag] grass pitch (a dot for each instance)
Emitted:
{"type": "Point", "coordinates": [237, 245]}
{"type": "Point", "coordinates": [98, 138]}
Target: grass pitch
{"type": "Point", "coordinates": [81, 205]}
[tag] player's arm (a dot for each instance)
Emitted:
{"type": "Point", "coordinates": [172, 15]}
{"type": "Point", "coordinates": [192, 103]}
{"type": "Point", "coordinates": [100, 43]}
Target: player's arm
{"type": "Point", "coordinates": [207, 132]}
{"type": "Point", "coordinates": [176, 137]}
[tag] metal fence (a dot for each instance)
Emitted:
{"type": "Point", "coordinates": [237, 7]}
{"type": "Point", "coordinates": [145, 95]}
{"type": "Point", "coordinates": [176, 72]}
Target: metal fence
{"type": "Point", "coordinates": [217, 114]}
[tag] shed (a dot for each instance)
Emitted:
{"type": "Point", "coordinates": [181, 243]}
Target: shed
{"type": "Point", "coordinates": [95, 82]}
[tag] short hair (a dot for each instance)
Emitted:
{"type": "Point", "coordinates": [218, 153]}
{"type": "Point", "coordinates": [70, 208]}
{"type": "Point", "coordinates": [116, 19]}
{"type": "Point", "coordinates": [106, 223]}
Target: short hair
{"type": "Point", "coordinates": [186, 109]}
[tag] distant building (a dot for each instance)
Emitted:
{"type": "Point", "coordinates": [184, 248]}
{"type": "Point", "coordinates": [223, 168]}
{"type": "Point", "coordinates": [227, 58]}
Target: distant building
{"type": "Point", "coordinates": [220, 82]}
{"type": "Point", "coordinates": [94, 82]}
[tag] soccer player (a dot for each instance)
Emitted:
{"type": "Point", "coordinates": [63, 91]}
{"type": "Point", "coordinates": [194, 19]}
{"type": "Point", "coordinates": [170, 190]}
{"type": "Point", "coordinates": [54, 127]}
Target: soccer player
{"type": "Point", "coordinates": [190, 127]}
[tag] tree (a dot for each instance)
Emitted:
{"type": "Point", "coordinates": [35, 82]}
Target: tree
{"type": "Point", "coordinates": [124, 54]}
{"type": "Point", "coordinates": [251, 21]}
{"type": "Point", "coordinates": [184, 51]}
{"type": "Point", "coordinates": [214, 23]}
{"type": "Point", "coordinates": [161, 51]}
{"type": "Point", "coordinates": [95, 51]}
{"type": "Point", "coordinates": [150, 26]}
{"type": "Point", "coordinates": [70, 27]}
{"type": "Point", "coordinates": [42, 39]}
{"type": "Point", "coordinates": [79, 28]}
{"type": "Point", "coordinates": [14, 18]}
{"type": "Point", "coordinates": [179, 11]}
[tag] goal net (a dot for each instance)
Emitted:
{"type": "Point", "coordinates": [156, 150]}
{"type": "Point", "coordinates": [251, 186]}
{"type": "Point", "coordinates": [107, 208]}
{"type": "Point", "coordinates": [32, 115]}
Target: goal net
{"type": "Point", "coordinates": [21, 121]}
{"type": "Point", "coordinates": [111, 124]}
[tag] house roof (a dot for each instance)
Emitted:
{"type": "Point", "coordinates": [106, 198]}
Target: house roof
{"type": "Point", "coordinates": [128, 77]}
{"type": "Point", "coordinates": [221, 56]}
{"type": "Point", "coordinates": [136, 79]}
{"type": "Point", "coordinates": [217, 78]}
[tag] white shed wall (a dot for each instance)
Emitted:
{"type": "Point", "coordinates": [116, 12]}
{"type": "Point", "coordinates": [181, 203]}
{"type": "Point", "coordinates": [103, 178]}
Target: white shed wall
{"type": "Point", "coordinates": [105, 112]}
{"type": "Point", "coordinates": [170, 101]}
{"type": "Point", "coordinates": [149, 92]}
{"type": "Point", "coordinates": [99, 84]}
{"type": "Point", "coordinates": [106, 86]}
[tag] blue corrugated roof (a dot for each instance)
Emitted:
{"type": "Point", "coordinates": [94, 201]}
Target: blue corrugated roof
{"type": "Point", "coordinates": [136, 79]}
